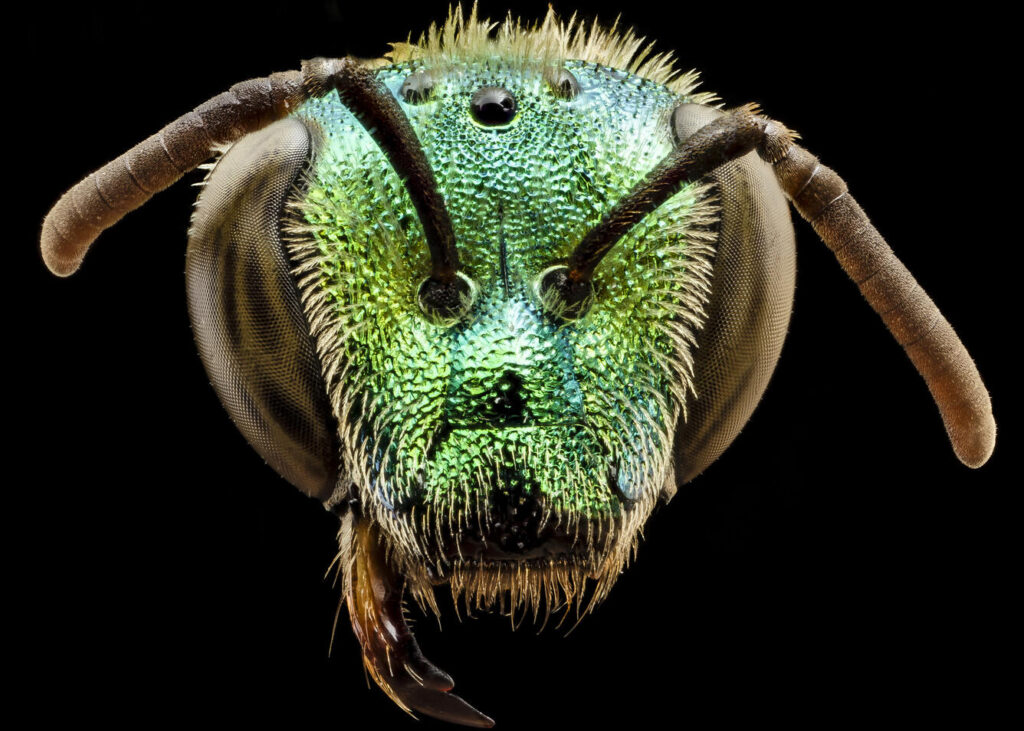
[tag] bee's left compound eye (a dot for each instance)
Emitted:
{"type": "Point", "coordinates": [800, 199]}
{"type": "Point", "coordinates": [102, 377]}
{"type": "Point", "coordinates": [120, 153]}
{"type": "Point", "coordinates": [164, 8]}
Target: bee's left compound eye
{"type": "Point", "coordinates": [493, 106]}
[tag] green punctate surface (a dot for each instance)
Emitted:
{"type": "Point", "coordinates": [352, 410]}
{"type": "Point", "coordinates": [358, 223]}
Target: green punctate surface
{"type": "Point", "coordinates": [508, 399]}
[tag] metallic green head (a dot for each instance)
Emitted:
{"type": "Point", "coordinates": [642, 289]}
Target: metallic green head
{"type": "Point", "coordinates": [508, 435]}
{"type": "Point", "coordinates": [466, 297]}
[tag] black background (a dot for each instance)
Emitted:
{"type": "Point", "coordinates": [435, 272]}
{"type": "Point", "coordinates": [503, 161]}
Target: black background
{"type": "Point", "coordinates": [837, 563]}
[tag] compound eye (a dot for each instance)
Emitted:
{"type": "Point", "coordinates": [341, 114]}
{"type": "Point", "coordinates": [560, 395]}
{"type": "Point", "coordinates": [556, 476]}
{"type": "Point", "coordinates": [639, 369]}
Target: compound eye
{"type": "Point", "coordinates": [417, 88]}
{"type": "Point", "coordinates": [493, 106]}
{"type": "Point", "coordinates": [562, 83]}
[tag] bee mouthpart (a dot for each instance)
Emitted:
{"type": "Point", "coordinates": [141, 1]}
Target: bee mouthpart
{"type": "Point", "coordinates": [526, 542]}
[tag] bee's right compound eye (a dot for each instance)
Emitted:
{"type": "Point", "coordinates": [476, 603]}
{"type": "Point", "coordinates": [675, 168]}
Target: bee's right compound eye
{"type": "Point", "coordinates": [247, 316]}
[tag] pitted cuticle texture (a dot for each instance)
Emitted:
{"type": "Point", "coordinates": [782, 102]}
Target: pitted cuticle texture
{"type": "Point", "coordinates": [444, 424]}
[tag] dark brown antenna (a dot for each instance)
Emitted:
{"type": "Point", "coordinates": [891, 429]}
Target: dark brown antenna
{"type": "Point", "coordinates": [567, 290]}
{"type": "Point", "coordinates": [910, 315]}
{"type": "Point", "coordinates": [105, 196]}
{"type": "Point", "coordinates": [821, 197]}
{"type": "Point", "coordinates": [719, 142]}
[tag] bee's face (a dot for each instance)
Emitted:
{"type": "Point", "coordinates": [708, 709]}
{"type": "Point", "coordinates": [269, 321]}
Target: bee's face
{"type": "Point", "coordinates": [508, 434]}
{"type": "Point", "coordinates": [558, 433]}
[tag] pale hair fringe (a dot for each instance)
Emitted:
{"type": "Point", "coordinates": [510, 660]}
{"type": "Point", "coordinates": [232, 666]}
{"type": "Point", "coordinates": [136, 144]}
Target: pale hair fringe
{"type": "Point", "coordinates": [463, 39]}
